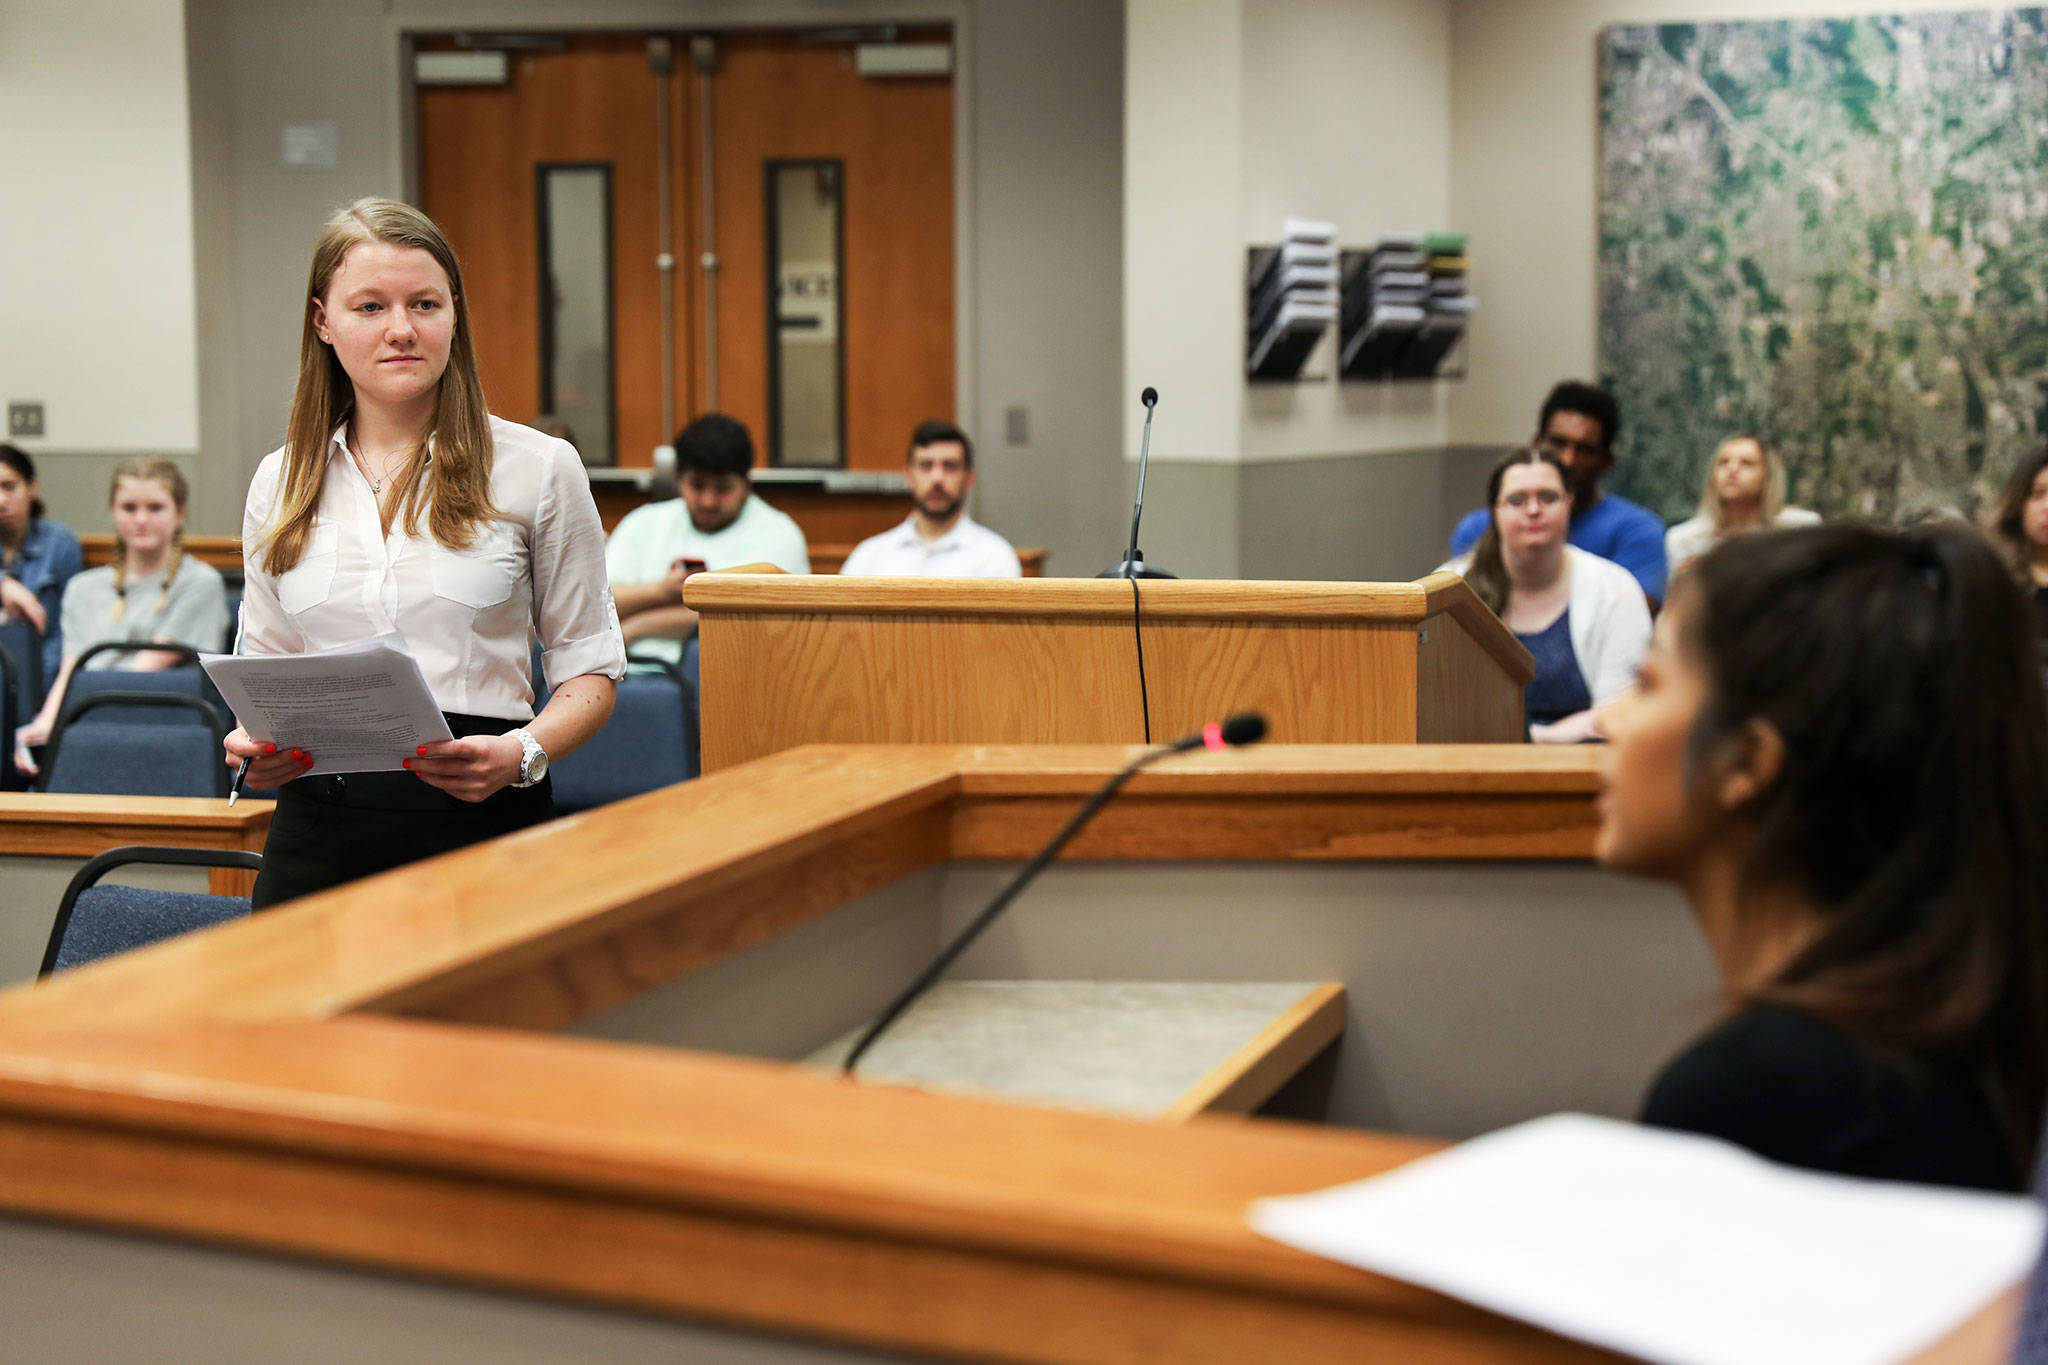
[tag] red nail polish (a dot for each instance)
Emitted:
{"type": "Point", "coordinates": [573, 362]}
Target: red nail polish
{"type": "Point", "coordinates": [270, 748]}
{"type": "Point", "coordinates": [421, 751]}
{"type": "Point", "coordinates": [406, 764]}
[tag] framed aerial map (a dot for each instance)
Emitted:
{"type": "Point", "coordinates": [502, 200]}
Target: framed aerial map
{"type": "Point", "coordinates": [1834, 233]}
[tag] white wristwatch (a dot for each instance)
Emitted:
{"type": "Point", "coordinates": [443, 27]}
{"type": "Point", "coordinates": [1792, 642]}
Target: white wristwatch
{"type": "Point", "coordinates": [533, 762]}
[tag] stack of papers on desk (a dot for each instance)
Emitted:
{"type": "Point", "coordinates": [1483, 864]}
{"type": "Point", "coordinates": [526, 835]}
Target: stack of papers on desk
{"type": "Point", "coordinates": [1674, 1247]}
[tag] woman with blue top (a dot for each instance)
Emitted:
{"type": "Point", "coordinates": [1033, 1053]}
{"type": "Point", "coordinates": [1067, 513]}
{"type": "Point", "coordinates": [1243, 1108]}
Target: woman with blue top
{"type": "Point", "coordinates": [1584, 618]}
{"type": "Point", "coordinates": [37, 557]}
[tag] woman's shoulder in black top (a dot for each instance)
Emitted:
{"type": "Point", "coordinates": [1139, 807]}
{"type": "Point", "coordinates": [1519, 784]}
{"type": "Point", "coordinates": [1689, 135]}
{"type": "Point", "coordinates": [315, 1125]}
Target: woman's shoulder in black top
{"type": "Point", "coordinates": [1796, 1089]}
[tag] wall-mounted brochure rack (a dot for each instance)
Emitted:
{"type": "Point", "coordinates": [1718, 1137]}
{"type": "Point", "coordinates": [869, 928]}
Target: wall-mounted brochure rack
{"type": "Point", "coordinates": [1404, 307]}
{"type": "Point", "coordinates": [1290, 299]}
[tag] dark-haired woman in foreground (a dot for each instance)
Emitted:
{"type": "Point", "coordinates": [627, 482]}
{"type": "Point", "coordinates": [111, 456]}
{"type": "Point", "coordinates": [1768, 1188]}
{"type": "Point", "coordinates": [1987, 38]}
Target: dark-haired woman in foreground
{"type": "Point", "coordinates": [1839, 751]}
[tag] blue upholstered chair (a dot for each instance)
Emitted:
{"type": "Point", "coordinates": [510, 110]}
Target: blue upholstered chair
{"type": "Point", "coordinates": [24, 651]}
{"type": "Point", "coordinates": [94, 672]}
{"type": "Point", "coordinates": [642, 747]}
{"type": "Point", "coordinates": [127, 758]}
{"type": "Point", "coordinates": [96, 921]}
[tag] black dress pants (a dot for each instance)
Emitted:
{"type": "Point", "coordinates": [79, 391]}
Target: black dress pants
{"type": "Point", "coordinates": [334, 829]}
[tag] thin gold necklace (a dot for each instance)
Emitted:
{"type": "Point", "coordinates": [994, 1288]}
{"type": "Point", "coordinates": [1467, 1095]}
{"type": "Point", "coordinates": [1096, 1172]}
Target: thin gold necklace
{"type": "Point", "coordinates": [376, 483]}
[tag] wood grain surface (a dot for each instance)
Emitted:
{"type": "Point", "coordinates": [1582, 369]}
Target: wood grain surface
{"type": "Point", "coordinates": [237, 1086]}
{"type": "Point", "coordinates": [45, 824]}
{"type": "Point", "coordinates": [222, 552]}
{"type": "Point", "coordinates": [1249, 1076]}
{"type": "Point", "coordinates": [816, 659]}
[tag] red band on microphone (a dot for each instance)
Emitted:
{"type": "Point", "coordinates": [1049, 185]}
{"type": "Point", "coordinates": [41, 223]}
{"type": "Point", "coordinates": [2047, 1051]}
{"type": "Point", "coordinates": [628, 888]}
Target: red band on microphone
{"type": "Point", "coordinates": [1212, 737]}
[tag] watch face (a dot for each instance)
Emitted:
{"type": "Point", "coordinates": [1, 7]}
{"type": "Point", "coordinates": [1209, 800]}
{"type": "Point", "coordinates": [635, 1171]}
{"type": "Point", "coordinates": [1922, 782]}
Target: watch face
{"type": "Point", "coordinates": [533, 764]}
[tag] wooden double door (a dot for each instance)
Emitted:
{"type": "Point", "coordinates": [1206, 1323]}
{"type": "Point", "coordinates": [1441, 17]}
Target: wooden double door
{"type": "Point", "coordinates": [761, 108]}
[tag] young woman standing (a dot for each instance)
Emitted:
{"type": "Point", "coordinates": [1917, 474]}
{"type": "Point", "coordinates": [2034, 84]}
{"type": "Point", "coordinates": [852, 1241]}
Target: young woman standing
{"type": "Point", "coordinates": [398, 504]}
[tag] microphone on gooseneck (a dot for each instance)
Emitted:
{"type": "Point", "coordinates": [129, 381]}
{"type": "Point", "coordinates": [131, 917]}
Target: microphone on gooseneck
{"type": "Point", "coordinates": [1247, 727]}
{"type": "Point", "coordinates": [1133, 564]}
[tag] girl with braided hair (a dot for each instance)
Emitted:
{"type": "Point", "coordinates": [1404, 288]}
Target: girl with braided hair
{"type": "Point", "coordinates": [152, 592]}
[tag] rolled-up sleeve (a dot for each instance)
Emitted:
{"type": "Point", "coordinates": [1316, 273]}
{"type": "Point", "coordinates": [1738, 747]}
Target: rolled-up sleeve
{"type": "Point", "coordinates": [572, 600]}
{"type": "Point", "coordinates": [264, 627]}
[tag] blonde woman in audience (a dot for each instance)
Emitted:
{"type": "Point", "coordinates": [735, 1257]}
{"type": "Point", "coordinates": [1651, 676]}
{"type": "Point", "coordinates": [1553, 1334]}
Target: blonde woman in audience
{"type": "Point", "coordinates": [152, 592]}
{"type": "Point", "coordinates": [1744, 491]}
{"type": "Point", "coordinates": [1584, 618]}
{"type": "Point", "coordinates": [1838, 751]}
{"type": "Point", "coordinates": [399, 505]}
{"type": "Point", "coordinates": [2020, 522]}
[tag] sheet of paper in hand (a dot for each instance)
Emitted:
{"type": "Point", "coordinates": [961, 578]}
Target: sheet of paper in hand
{"type": "Point", "coordinates": [361, 708]}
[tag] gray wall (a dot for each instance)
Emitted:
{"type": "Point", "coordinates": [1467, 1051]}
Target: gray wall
{"type": "Point", "coordinates": [1379, 517]}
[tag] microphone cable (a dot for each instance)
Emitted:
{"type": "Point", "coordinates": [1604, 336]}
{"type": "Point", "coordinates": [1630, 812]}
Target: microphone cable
{"type": "Point", "coordinates": [1247, 727]}
{"type": "Point", "coordinates": [1138, 631]}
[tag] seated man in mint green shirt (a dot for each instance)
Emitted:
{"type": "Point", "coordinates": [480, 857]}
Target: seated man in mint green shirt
{"type": "Point", "coordinates": [718, 521]}
{"type": "Point", "coordinates": [1578, 424]}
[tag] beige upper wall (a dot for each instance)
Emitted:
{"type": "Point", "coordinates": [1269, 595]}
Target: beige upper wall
{"type": "Point", "coordinates": [1240, 114]}
{"type": "Point", "coordinates": [1524, 184]}
{"type": "Point", "coordinates": [1346, 120]}
{"type": "Point", "coordinates": [96, 276]}
{"type": "Point", "coordinates": [1183, 295]}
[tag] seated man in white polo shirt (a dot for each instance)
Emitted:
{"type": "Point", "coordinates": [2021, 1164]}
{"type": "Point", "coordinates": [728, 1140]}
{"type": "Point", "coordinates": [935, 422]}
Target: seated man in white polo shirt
{"type": "Point", "coordinates": [939, 539]}
{"type": "Point", "coordinates": [717, 523]}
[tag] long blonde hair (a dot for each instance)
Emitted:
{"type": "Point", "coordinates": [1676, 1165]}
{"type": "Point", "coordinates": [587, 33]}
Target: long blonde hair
{"type": "Point", "coordinates": [173, 480]}
{"type": "Point", "coordinates": [1774, 482]}
{"type": "Point", "coordinates": [455, 482]}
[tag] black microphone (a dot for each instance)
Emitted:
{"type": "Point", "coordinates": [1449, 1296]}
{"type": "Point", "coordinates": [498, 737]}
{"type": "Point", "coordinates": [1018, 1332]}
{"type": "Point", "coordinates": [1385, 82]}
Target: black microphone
{"type": "Point", "coordinates": [1133, 564]}
{"type": "Point", "coordinates": [1247, 727]}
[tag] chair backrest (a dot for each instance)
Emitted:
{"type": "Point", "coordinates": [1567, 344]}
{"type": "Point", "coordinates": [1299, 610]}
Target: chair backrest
{"type": "Point", "coordinates": [96, 921]}
{"type": "Point", "coordinates": [113, 649]}
{"type": "Point", "coordinates": [641, 748]}
{"type": "Point", "coordinates": [169, 682]}
{"type": "Point", "coordinates": [24, 651]}
{"type": "Point", "coordinates": [127, 759]}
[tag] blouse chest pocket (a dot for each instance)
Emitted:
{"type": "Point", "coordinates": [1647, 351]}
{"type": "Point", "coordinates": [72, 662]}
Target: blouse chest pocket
{"type": "Point", "coordinates": [309, 582]}
{"type": "Point", "coordinates": [482, 575]}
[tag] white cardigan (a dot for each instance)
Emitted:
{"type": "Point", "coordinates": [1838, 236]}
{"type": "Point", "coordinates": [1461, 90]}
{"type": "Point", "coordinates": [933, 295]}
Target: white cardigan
{"type": "Point", "coordinates": [1610, 621]}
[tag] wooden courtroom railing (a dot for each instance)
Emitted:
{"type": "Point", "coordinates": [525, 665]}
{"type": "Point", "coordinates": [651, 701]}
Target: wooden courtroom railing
{"type": "Point", "coordinates": [44, 824]}
{"type": "Point", "coordinates": [359, 1077]}
{"type": "Point", "coordinates": [223, 552]}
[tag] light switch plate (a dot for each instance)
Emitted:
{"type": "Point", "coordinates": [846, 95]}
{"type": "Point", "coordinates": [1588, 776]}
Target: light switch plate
{"type": "Point", "coordinates": [1016, 426]}
{"type": "Point", "coordinates": [25, 419]}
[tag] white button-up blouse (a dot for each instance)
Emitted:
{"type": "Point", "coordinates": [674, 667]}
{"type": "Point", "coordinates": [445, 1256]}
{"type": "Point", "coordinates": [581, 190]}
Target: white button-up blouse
{"type": "Point", "coordinates": [469, 616]}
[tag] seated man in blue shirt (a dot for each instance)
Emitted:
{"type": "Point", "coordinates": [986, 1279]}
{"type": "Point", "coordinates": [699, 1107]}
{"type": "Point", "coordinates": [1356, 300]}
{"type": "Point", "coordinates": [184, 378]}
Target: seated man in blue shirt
{"type": "Point", "coordinates": [1578, 424]}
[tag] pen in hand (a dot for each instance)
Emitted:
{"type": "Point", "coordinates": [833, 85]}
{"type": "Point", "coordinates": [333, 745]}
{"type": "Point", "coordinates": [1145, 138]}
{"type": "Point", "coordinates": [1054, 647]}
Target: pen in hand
{"type": "Point", "coordinates": [235, 788]}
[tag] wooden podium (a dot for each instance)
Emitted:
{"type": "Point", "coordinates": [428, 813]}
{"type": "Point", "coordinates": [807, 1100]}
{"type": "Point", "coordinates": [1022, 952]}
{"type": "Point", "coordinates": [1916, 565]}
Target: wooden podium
{"type": "Point", "coordinates": [791, 660]}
